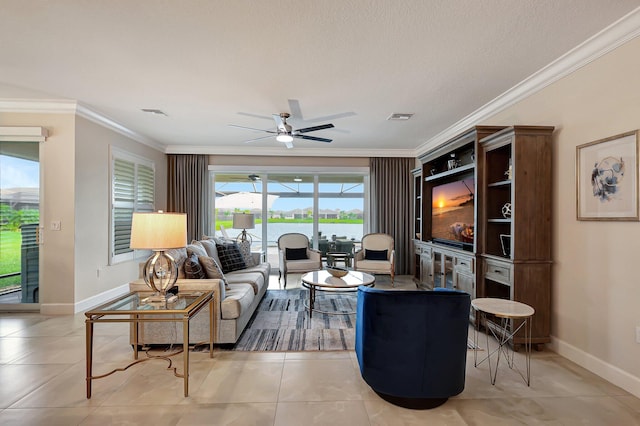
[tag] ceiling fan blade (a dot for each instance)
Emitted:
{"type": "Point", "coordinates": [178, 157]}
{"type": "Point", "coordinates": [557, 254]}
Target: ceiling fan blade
{"type": "Point", "coordinates": [257, 139]}
{"type": "Point", "coordinates": [294, 107]}
{"type": "Point", "coordinates": [279, 122]}
{"type": "Point", "coordinates": [312, 138]}
{"type": "Point", "coordinates": [248, 114]}
{"type": "Point", "coordinates": [331, 117]}
{"type": "Point", "coordinates": [314, 128]}
{"type": "Point", "coordinates": [251, 128]}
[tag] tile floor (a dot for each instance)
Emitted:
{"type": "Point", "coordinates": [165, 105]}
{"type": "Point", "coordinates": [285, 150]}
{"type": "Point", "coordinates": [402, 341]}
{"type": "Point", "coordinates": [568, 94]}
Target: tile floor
{"type": "Point", "coordinates": [42, 382]}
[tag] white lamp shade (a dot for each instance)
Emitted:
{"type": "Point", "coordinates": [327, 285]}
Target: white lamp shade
{"type": "Point", "coordinates": [158, 231]}
{"type": "Point", "coordinates": [243, 221]}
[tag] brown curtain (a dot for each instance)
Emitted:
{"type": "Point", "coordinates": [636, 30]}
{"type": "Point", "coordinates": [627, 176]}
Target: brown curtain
{"type": "Point", "coordinates": [392, 205]}
{"type": "Point", "coordinates": [187, 190]}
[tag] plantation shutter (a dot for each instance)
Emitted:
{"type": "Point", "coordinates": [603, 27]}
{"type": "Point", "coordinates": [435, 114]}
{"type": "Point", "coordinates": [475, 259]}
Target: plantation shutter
{"type": "Point", "coordinates": [132, 191]}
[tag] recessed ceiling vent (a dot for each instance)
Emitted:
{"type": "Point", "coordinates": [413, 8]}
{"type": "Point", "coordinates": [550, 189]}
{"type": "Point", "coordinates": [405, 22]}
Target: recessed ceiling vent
{"type": "Point", "coordinates": [153, 111]}
{"type": "Point", "coordinates": [400, 116]}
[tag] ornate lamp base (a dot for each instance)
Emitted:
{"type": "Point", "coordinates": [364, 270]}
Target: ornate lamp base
{"type": "Point", "coordinates": [160, 274]}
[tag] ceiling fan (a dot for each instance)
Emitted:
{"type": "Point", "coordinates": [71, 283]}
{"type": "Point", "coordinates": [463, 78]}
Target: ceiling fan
{"type": "Point", "coordinates": [285, 133]}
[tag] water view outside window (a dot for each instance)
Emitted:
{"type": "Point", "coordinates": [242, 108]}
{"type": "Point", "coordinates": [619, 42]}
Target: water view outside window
{"type": "Point", "coordinates": [19, 219]}
{"type": "Point", "coordinates": [291, 202]}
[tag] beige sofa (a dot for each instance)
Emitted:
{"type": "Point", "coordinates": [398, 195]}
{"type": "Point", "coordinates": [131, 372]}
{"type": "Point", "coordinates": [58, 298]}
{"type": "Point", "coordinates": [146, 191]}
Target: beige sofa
{"type": "Point", "coordinates": [234, 304]}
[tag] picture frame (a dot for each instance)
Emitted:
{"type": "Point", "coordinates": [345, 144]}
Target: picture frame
{"type": "Point", "coordinates": [607, 178]}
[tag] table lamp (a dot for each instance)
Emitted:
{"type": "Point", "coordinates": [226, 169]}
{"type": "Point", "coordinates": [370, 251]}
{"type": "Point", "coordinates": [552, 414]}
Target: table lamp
{"type": "Point", "coordinates": [243, 221]}
{"type": "Point", "coordinates": [159, 232]}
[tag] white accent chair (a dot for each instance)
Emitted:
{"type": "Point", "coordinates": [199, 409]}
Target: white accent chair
{"type": "Point", "coordinates": [312, 260]}
{"type": "Point", "coordinates": [376, 262]}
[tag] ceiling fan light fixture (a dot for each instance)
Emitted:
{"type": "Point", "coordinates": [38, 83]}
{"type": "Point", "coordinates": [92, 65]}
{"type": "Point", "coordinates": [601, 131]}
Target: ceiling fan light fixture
{"type": "Point", "coordinates": [283, 137]}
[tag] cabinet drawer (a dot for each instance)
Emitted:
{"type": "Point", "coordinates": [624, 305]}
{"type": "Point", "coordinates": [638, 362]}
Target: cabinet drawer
{"type": "Point", "coordinates": [498, 271]}
{"type": "Point", "coordinates": [464, 265]}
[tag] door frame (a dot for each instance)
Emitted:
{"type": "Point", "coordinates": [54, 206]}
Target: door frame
{"type": "Point", "coordinates": [29, 134]}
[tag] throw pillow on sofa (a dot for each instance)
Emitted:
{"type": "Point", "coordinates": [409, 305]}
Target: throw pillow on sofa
{"type": "Point", "coordinates": [210, 247]}
{"type": "Point", "coordinates": [193, 269]}
{"type": "Point", "coordinates": [230, 257]}
{"type": "Point", "coordinates": [212, 269]}
{"type": "Point", "coordinates": [245, 250]}
{"type": "Point", "coordinates": [375, 254]}
{"type": "Point", "coordinates": [197, 248]}
{"type": "Point", "coordinates": [179, 256]}
{"type": "Point", "coordinates": [296, 253]}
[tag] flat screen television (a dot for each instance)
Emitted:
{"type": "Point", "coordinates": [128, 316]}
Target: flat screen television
{"type": "Point", "coordinates": [452, 213]}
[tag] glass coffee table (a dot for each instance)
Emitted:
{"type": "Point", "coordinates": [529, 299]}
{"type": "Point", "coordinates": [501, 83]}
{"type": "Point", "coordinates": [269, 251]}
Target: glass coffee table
{"type": "Point", "coordinates": [133, 308]}
{"type": "Point", "coordinates": [324, 281]}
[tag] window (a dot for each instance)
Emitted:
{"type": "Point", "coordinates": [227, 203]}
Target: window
{"type": "Point", "coordinates": [132, 190]}
{"type": "Point", "coordinates": [322, 205]}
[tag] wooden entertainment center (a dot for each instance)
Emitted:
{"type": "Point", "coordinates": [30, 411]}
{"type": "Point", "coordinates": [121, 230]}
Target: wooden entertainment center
{"type": "Point", "coordinates": [483, 218]}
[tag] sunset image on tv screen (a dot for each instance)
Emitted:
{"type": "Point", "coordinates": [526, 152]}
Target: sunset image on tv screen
{"type": "Point", "coordinates": [452, 211]}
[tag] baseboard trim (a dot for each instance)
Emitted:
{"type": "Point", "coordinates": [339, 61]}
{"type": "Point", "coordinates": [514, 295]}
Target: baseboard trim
{"type": "Point", "coordinates": [56, 308]}
{"type": "Point", "coordinates": [98, 299]}
{"type": "Point", "coordinates": [611, 373]}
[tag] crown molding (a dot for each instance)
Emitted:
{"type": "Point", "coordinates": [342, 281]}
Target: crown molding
{"type": "Point", "coordinates": [57, 106]}
{"type": "Point", "coordinates": [615, 35]}
{"type": "Point", "coordinates": [38, 106]}
{"type": "Point", "coordinates": [103, 120]}
{"type": "Point", "coordinates": [282, 151]}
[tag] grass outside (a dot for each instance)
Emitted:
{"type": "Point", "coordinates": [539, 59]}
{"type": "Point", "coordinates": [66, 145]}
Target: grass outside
{"type": "Point", "coordinates": [228, 224]}
{"type": "Point", "coordinates": [10, 244]}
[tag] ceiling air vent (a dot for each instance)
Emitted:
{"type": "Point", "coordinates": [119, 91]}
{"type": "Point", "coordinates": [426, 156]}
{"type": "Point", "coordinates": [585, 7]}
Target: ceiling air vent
{"type": "Point", "coordinates": [153, 111]}
{"type": "Point", "coordinates": [398, 116]}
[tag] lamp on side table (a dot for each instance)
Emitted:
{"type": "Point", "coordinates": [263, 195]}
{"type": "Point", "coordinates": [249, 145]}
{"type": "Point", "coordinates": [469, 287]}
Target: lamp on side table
{"type": "Point", "coordinates": [243, 221]}
{"type": "Point", "coordinates": [159, 232]}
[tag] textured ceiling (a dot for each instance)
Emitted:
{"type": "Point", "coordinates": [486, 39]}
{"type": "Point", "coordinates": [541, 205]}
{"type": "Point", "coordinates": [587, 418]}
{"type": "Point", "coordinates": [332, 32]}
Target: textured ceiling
{"type": "Point", "coordinates": [208, 64]}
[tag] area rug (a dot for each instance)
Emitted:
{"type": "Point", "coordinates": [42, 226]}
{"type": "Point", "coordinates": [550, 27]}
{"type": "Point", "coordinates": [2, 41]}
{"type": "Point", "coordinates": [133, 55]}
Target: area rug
{"type": "Point", "coordinates": [281, 323]}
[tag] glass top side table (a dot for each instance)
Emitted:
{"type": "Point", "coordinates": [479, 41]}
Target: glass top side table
{"type": "Point", "coordinates": [134, 308]}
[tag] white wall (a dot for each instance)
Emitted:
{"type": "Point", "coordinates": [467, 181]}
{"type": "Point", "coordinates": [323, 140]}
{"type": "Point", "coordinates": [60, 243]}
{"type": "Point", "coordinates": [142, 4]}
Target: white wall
{"type": "Point", "coordinates": [93, 274]}
{"type": "Point", "coordinates": [75, 167]}
{"type": "Point", "coordinates": [56, 255]}
{"type": "Point", "coordinates": [596, 284]}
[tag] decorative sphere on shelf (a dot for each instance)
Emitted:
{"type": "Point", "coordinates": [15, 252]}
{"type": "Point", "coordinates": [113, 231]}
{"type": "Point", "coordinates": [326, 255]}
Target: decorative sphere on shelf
{"type": "Point", "coordinates": [506, 210]}
{"type": "Point", "coordinates": [337, 272]}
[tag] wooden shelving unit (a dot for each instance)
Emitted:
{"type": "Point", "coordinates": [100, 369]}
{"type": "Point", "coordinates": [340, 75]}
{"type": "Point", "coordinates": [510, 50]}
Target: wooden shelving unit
{"type": "Point", "coordinates": [514, 221]}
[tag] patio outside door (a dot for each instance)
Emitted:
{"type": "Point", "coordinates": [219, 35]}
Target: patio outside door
{"type": "Point", "coordinates": [19, 225]}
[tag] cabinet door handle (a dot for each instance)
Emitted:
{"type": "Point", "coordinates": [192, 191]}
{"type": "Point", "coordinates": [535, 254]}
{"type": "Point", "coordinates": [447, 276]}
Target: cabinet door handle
{"type": "Point", "coordinates": [497, 271]}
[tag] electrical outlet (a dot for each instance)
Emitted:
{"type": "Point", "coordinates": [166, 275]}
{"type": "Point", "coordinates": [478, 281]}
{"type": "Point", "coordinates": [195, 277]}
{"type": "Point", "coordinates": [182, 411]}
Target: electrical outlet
{"type": "Point", "coordinates": [638, 334]}
{"type": "Point", "coordinates": [56, 225]}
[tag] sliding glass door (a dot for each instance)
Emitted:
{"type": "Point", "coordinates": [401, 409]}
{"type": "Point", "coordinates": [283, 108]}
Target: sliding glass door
{"type": "Point", "coordinates": [327, 207]}
{"type": "Point", "coordinates": [19, 224]}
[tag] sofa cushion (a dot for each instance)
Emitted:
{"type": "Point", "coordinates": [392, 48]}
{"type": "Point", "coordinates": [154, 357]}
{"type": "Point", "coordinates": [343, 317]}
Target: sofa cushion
{"type": "Point", "coordinates": [255, 279]}
{"type": "Point", "coordinates": [376, 254]}
{"type": "Point", "coordinates": [212, 269]}
{"type": "Point", "coordinates": [296, 253]}
{"type": "Point", "coordinates": [237, 301]}
{"type": "Point", "coordinates": [381, 266]}
{"type": "Point", "coordinates": [263, 268]}
{"type": "Point", "coordinates": [192, 268]}
{"type": "Point", "coordinates": [230, 257]}
{"type": "Point", "coordinates": [304, 265]}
